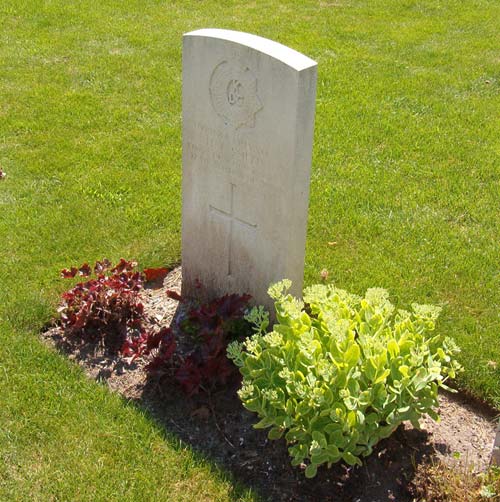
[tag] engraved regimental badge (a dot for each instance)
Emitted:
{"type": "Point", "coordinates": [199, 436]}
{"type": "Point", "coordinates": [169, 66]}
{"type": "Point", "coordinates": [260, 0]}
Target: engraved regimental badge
{"type": "Point", "coordinates": [233, 92]}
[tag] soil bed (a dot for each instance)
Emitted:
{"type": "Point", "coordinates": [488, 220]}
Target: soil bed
{"type": "Point", "coordinates": [220, 428]}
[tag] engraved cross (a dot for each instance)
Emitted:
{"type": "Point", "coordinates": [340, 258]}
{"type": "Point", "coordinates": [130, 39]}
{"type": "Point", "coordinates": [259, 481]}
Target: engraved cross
{"type": "Point", "coordinates": [233, 220]}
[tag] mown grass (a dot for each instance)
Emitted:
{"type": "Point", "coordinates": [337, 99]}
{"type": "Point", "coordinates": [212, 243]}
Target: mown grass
{"type": "Point", "coordinates": [406, 181]}
{"type": "Point", "coordinates": [65, 438]}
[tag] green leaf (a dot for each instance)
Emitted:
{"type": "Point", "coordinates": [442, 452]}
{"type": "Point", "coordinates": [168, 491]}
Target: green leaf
{"type": "Point", "coordinates": [333, 428]}
{"type": "Point", "coordinates": [275, 433]}
{"type": "Point", "coordinates": [350, 459]}
{"type": "Point", "coordinates": [296, 435]}
{"type": "Point", "coordinates": [393, 348]}
{"type": "Point", "coordinates": [338, 439]}
{"type": "Point", "coordinates": [383, 377]}
{"type": "Point", "coordinates": [365, 398]}
{"type": "Point", "coordinates": [300, 375]}
{"type": "Point", "coordinates": [433, 415]}
{"type": "Point", "coordinates": [319, 458]}
{"type": "Point", "coordinates": [253, 405]}
{"type": "Point", "coordinates": [311, 471]}
{"type": "Point", "coordinates": [320, 438]}
{"type": "Point", "coordinates": [264, 423]}
{"type": "Point", "coordinates": [404, 370]}
{"type": "Point", "coordinates": [371, 418]}
{"type": "Point", "coordinates": [351, 418]}
{"type": "Point", "coordinates": [360, 416]}
{"type": "Point", "coordinates": [352, 355]}
{"type": "Point", "coordinates": [328, 396]}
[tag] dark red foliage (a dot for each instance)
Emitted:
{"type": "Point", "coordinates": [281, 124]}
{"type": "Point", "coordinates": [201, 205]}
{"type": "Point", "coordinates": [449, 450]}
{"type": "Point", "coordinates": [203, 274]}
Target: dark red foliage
{"type": "Point", "coordinates": [68, 274]}
{"type": "Point", "coordinates": [214, 314]}
{"type": "Point", "coordinates": [102, 266]}
{"type": "Point", "coordinates": [85, 270]}
{"type": "Point", "coordinates": [174, 295]}
{"type": "Point", "coordinates": [188, 375]}
{"type": "Point", "coordinates": [124, 266]}
{"type": "Point", "coordinates": [206, 332]}
{"type": "Point", "coordinates": [155, 274]}
{"type": "Point", "coordinates": [107, 308]}
{"type": "Point", "coordinates": [135, 346]}
{"type": "Point", "coordinates": [143, 344]}
{"type": "Point", "coordinates": [166, 339]}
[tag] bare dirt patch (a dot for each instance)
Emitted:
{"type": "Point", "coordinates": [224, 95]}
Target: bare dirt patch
{"type": "Point", "coordinates": [220, 428]}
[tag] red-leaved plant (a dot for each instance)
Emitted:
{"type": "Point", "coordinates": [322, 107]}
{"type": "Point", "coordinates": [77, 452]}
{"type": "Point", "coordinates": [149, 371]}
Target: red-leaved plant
{"type": "Point", "coordinates": [200, 361]}
{"type": "Point", "coordinates": [106, 309]}
{"type": "Point", "coordinates": [109, 310]}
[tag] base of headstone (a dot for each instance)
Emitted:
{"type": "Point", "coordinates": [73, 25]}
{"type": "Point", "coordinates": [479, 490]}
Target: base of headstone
{"type": "Point", "coordinates": [495, 456]}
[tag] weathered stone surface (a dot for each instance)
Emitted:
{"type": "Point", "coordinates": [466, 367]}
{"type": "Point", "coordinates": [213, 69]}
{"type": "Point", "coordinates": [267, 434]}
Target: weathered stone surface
{"type": "Point", "coordinates": [248, 116]}
{"type": "Point", "coordinates": [495, 456]}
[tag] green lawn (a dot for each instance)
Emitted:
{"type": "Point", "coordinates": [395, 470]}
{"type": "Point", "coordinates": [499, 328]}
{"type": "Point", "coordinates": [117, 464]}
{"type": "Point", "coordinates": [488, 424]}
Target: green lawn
{"type": "Point", "coordinates": [406, 181]}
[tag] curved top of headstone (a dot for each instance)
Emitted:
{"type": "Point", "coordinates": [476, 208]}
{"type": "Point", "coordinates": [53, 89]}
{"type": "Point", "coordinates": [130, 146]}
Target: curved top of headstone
{"type": "Point", "coordinates": [290, 57]}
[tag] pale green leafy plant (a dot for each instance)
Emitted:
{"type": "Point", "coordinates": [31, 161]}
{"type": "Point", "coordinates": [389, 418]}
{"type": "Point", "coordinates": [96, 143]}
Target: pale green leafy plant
{"type": "Point", "coordinates": [338, 372]}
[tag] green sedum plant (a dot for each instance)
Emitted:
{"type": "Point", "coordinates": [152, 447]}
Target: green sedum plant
{"type": "Point", "coordinates": [338, 373]}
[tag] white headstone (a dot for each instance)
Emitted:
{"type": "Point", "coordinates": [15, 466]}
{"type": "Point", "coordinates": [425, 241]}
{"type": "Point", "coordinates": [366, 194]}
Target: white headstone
{"type": "Point", "coordinates": [248, 116]}
{"type": "Point", "coordinates": [495, 455]}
